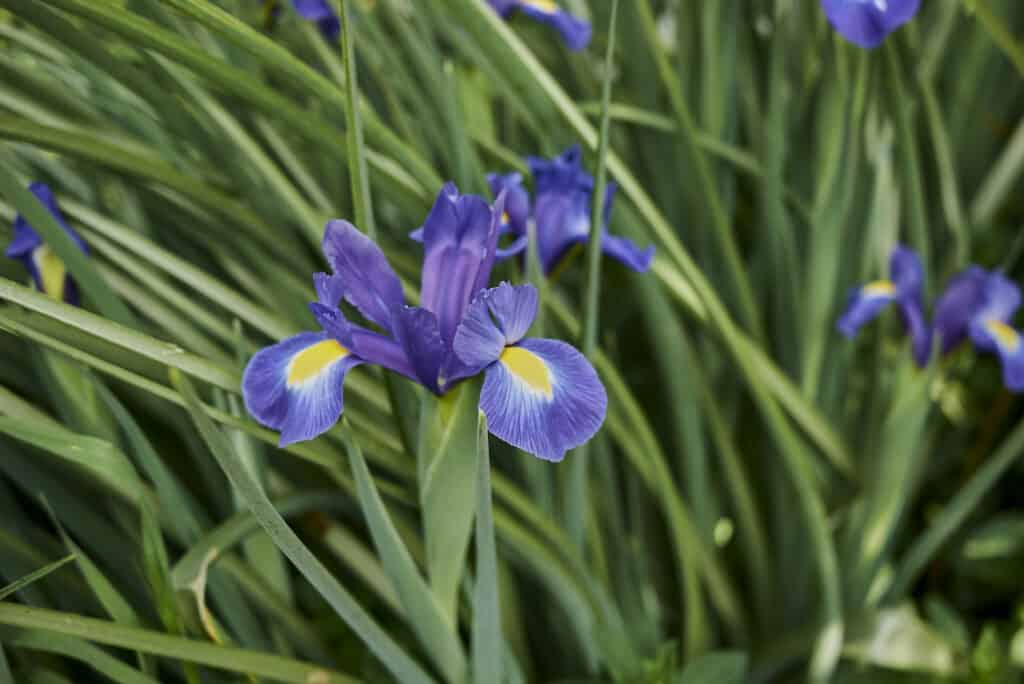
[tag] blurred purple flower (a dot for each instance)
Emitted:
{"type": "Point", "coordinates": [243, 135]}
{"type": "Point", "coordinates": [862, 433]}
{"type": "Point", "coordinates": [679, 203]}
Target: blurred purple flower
{"type": "Point", "coordinates": [575, 32]}
{"type": "Point", "coordinates": [867, 22]}
{"type": "Point", "coordinates": [47, 270]}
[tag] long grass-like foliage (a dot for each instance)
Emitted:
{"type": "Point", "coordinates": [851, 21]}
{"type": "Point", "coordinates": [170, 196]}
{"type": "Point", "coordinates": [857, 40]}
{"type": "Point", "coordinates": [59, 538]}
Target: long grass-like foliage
{"type": "Point", "coordinates": [766, 501]}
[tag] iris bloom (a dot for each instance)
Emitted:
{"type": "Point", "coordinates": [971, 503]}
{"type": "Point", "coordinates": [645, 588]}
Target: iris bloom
{"type": "Point", "coordinates": [575, 32]}
{"type": "Point", "coordinates": [905, 290]}
{"type": "Point", "coordinates": [867, 22]}
{"type": "Point", "coordinates": [539, 395]}
{"type": "Point", "coordinates": [318, 11]}
{"type": "Point", "coordinates": [979, 305]}
{"type": "Point", "coordinates": [562, 209]}
{"type": "Point", "coordinates": [47, 270]}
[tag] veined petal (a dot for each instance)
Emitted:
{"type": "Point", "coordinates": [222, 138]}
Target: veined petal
{"type": "Point", "coordinates": [514, 309]}
{"type": "Point", "coordinates": [962, 298]}
{"type": "Point", "coordinates": [295, 386]}
{"type": "Point", "coordinates": [418, 333]}
{"type": "Point", "coordinates": [543, 397]}
{"type": "Point", "coordinates": [364, 275]}
{"type": "Point", "coordinates": [864, 304]}
{"type": "Point", "coordinates": [478, 341]}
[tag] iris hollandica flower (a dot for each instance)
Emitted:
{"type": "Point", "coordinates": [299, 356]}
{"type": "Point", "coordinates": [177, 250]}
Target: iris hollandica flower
{"type": "Point", "coordinates": [318, 11]}
{"type": "Point", "coordinates": [47, 270]}
{"type": "Point", "coordinates": [904, 288]}
{"type": "Point", "coordinates": [867, 22]}
{"type": "Point", "coordinates": [562, 211]}
{"type": "Point", "coordinates": [540, 395]}
{"type": "Point", "coordinates": [575, 32]}
{"type": "Point", "coordinates": [979, 305]}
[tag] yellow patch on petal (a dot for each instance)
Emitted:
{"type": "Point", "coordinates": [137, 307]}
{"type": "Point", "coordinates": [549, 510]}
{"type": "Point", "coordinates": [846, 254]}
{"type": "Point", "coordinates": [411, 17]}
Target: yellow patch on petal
{"type": "Point", "coordinates": [549, 6]}
{"type": "Point", "coordinates": [312, 361]}
{"type": "Point", "coordinates": [51, 271]}
{"type": "Point", "coordinates": [505, 218]}
{"type": "Point", "coordinates": [529, 368]}
{"type": "Point", "coordinates": [879, 288]}
{"type": "Point", "coordinates": [1006, 337]}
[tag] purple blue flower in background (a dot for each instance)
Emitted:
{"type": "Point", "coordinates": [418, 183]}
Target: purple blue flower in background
{"type": "Point", "coordinates": [319, 11]}
{"type": "Point", "coordinates": [867, 22]}
{"type": "Point", "coordinates": [575, 32]}
{"type": "Point", "coordinates": [561, 209]}
{"type": "Point", "coordinates": [979, 305]}
{"type": "Point", "coordinates": [539, 395]}
{"type": "Point", "coordinates": [904, 288]}
{"type": "Point", "coordinates": [46, 268]}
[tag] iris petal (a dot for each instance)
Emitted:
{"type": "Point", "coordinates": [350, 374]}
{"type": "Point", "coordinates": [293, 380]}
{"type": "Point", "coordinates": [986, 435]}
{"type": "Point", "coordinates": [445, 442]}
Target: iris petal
{"type": "Point", "coordinates": [627, 253]}
{"type": "Point", "coordinates": [575, 32]}
{"type": "Point", "coordinates": [295, 386]}
{"type": "Point", "coordinates": [319, 11]}
{"type": "Point", "coordinates": [364, 276]}
{"type": "Point", "coordinates": [514, 309]}
{"type": "Point", "coordinates": [478, 341]}
{"type": "Point", "coordinates": [957, 305]}
{"type": "Point", "coordinates": [543, 397]}
{"type": "Point", "coordinates": [995, 335]}
{"type": "Point", "coordinates": [460, 239]}
{"type": "Point", "coordinates": [418, 333]}
{"type": "Point", "coordinates": [864, 304]}
{"type": "Point", "coordinates": [866, 23]}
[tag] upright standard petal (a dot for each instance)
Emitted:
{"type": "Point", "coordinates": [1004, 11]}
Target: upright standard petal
{"type": "Point", "coordinates": [516, 215]}
{"type": "Point", "coordinates": [460, 238]}
{"type": "Point", "coordinates": [867, 22]}
{"type": "Point", "coordinates": [295, 386]}
{"type": "Point", "coordinates": [957, 306]}
{"type": "Point", "coordinates": [543, 397]}
{"type": "Point", "coordinates": [319, 11]}
{"type": "Point", "coordinates": [362, 274]}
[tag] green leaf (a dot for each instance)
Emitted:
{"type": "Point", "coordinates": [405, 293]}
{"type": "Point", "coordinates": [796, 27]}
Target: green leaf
{"type": "Point", "coordinates": [28, 579]}
{"type": "Point", "coordinates": [439, 638]}
{"type": "Point", "coordinates": [272, 667]}
{"type": "Point", "coordinates": [487, 639]}
{"type": "Point", "coordinates": [447, 470]}
{"type": "Point", "coordinates": [717, 667]}
{"type": "Point", "coordinates": [376, 639]}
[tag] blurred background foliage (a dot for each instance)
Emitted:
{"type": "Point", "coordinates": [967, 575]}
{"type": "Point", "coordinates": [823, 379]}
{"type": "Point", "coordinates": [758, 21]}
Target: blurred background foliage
{"type": "Point", "coordinates": [767, 501]}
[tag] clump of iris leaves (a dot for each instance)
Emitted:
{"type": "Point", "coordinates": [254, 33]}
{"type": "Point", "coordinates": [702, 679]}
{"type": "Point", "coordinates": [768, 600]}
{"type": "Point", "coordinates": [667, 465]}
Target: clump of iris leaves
{"type": "Point", "coordinates": [766, 501]}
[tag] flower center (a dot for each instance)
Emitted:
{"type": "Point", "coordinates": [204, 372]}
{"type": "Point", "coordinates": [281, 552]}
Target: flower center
{"type": "Point", "coordinates": [311, 361]}
{"type": "Point", "coordinates": [529, 368]}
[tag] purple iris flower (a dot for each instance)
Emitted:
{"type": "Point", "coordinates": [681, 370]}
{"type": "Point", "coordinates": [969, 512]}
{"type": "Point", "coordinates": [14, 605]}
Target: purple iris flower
{"type": "Point", "coordinates": [541, 396]}
{"type": "Point", "coordinates": [867, 22]}
{"type": "Point", "coordinates": [575, 32]}
{"type": "Point", "coordinates": [979, 305]}
{"type": "Point", "coordinates": [46, 268]}
{"type": "Point", "coordinates": [562, 209]}
{"type": "Point", "coordinates": [905, 290]}
{"type": "Point", "coordinates": [319, 11]}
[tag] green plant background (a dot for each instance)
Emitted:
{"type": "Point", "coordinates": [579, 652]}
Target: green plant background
{"type": "Point", "coordinates": [766, 502]}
